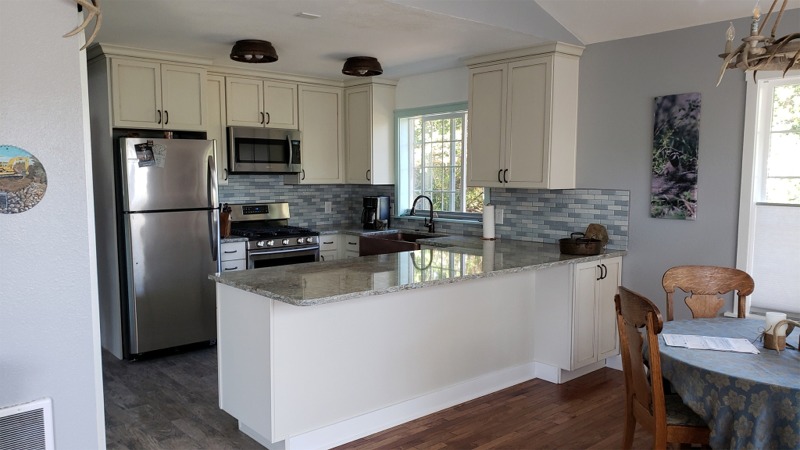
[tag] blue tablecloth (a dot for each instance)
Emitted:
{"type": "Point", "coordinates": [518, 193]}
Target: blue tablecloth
{"type": "Point", "coordinates": [748, 401]}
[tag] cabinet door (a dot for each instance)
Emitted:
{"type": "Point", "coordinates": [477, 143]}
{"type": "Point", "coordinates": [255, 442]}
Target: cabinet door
{"type": "Point", "coordinates": [280, 105]}
{"type": "Point", "coordinates": [528, 123]}
{"type": "Point", "coordinates": [607, 333]}
{"type": "Point", "coordinates": [584, 313]}
{"type": "Point", "coordinates": [350, 246]}
{"type": "Point", "coordinates": [321, 124]}
{"type": "Point", "coordinates": [215, 113]}
{"type": "Point", "coordinates": [244, 102]}
{"type": "Point", "coordinates": [487, 110]}
{"type": "Point", "coordinates": [358, 123]}
{"type": "Point", "coordinates": [183, 97]}
{"type": "Point", "coordinates": [136, 94]}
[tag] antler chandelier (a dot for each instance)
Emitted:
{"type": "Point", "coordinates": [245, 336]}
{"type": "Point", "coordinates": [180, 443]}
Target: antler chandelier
{"type": "Point", "coordinates": [759, 52]}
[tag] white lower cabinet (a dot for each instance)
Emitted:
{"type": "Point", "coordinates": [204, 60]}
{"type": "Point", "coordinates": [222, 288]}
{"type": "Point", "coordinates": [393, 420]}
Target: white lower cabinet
{"type": "Point", "coordinates": [233, 256]}
{"type": "Point", "coordinates": [350, 246]}
{"type": "Point", "coordinates": [575, 323]}
{"type": "Point", "coordinates": [328, 247]}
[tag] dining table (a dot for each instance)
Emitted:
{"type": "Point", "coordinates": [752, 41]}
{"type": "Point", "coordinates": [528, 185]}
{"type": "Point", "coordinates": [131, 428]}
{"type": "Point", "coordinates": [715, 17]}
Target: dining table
{"type": "Point", "coordinates": [748, 400]}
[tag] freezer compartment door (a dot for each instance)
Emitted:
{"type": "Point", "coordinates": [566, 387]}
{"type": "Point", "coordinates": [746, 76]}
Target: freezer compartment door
{"type": "Point", "coordinates": [170, 174]}
{"type": "Point", "coordinates": [171, 301]}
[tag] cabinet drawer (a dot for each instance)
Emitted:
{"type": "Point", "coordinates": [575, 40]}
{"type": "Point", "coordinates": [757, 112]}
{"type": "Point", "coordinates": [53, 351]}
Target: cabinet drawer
{"type": "Point", "coordinates": [328, 242]}
{"type": "Point", "coordinates": [234, 265]}
{"type": "Point", "coordinates": [232, 250]}
{"type": "Point", "coordinates": [351, 243]}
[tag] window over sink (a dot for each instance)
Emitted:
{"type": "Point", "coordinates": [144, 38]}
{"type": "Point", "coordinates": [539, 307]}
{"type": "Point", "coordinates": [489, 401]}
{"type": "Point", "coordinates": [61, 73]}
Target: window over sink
{"type": "Point", "coordinates": [433, 152]}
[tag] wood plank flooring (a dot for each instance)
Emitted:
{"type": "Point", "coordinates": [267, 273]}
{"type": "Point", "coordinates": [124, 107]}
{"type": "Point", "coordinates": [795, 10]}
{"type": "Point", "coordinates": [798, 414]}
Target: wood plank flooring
{"type": "Point", "coordinates": [171, 403]}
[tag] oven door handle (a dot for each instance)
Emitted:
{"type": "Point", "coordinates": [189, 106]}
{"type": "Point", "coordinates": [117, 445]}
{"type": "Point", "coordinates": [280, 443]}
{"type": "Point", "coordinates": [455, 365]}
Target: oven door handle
{"type": "Point", "coordinates": [279, 251]}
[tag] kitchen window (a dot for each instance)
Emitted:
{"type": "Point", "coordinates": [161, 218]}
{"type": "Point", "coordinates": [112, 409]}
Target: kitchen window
{"type": "Point", "coordinates": [769, 213]}
{"type": "Point", "coordinates": [432, 144]}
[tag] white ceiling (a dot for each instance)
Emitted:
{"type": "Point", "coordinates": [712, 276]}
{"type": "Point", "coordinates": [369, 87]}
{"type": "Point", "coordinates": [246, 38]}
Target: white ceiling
{"type": "Point", "coordinates": [407, 36]}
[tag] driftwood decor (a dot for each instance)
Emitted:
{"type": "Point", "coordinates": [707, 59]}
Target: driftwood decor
{"type": "Point", "coordinates": [758, 52]}
{"type": "Point", "coordinates": [93, 12]}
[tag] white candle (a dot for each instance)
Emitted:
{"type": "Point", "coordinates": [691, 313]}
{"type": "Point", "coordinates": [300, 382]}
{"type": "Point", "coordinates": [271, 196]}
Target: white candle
{"type": "Point", "coordinates": [772, 319]}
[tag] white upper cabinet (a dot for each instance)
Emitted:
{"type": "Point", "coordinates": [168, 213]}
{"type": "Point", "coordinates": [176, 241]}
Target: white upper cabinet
{"type": "Point", "coordinates": [253, 102]}
{"type": "Point", "coordinates": [523, 111]}
{"type": "Point", "coordinates": [322, 144]}
{"type": "Point", "coordinates": [155, 95]}
{"type": "Point", "coordinates": [369, 133]}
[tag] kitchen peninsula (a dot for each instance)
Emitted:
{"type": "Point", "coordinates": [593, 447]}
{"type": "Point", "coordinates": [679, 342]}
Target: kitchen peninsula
{"type": "Point", "coordinates": [319, 354]}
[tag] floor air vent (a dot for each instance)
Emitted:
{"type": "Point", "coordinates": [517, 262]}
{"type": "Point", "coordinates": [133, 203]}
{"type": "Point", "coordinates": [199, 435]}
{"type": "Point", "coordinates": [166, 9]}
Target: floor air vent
{"type": "Point", "coordinates": [28, 426]}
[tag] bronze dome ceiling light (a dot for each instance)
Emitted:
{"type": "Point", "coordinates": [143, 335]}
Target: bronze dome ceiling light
{"type": "Point", "coordinates": [362, 66]}
{"type": "Point", "coordinates": [253, 51]}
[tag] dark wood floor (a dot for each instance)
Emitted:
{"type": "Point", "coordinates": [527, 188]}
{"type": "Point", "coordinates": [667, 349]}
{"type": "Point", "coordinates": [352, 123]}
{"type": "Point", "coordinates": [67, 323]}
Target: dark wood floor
{"type": "Point", "coordinates": [171, 403]}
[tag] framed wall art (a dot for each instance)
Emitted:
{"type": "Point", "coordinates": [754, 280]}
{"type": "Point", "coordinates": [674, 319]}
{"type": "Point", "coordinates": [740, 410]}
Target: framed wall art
{"type": "Point", "coordinates": [676, 141]}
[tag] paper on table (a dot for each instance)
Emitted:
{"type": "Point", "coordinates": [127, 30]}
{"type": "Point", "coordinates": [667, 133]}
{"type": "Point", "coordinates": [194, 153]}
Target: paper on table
{"type": "Point", "coordinates": [738, 345]}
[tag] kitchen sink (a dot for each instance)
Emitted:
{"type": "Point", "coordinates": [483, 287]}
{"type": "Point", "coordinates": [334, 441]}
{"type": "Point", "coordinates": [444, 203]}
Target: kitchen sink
{"type": "Point", "coordinates": [383, 243]}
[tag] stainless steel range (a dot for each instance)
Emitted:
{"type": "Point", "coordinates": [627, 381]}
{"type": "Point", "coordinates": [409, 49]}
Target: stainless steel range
{"type": "Point", "coordinates": [272, 241]}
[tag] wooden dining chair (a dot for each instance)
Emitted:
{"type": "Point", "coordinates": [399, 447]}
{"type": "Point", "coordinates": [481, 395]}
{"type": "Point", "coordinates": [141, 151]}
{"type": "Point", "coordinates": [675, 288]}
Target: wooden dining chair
{"type": "Point", "coordinates": [665, 416]}
{"type": "Point", "coordinates": [703, 284]}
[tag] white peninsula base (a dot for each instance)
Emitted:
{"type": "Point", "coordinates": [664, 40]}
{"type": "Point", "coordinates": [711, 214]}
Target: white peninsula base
{"type": "Point", "coordinates": [304, 377]}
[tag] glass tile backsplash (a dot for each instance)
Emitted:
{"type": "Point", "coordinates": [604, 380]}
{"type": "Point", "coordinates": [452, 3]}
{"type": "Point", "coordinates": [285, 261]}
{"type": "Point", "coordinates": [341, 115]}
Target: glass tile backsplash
{"type": "Point", "coordinates": [538, 215]}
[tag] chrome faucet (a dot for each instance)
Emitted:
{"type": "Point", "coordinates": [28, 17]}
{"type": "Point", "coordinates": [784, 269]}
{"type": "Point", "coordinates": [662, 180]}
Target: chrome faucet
{"type": "Point", "coordinates": [429, 221]}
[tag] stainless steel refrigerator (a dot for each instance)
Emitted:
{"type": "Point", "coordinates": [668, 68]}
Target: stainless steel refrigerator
{"type": "Point", "coordinates": [169, 220]}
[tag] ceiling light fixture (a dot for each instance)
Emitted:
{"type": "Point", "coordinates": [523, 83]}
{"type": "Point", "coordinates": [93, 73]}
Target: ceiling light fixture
{"type": "Point", "coordinates": [362, 66]}
{"type": "Point", "coordinates": [305, 15]}
{"type": "Point", "coordinates": [253, 51]}
{"type": "Point", "coordinates": [758, 52]}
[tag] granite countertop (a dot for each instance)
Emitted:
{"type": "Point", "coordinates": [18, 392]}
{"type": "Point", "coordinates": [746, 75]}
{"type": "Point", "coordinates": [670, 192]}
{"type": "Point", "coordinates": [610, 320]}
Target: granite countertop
{"type": "Point", "coordinates": [444, 260]}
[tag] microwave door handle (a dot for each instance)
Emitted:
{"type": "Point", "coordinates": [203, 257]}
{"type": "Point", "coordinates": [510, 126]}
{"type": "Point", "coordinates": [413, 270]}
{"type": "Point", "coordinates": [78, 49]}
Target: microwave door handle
{"type": "Point", "coordinates": [291, 150]}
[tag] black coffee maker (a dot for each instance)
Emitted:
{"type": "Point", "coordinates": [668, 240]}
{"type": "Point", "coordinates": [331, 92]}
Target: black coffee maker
{"type": "Point", "coordinates": [375, 215]}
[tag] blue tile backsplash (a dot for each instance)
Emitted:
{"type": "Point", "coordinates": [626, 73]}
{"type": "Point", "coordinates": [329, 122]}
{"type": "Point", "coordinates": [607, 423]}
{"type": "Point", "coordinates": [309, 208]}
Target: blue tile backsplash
{"type": "Point", "coordinates": [538, 215]}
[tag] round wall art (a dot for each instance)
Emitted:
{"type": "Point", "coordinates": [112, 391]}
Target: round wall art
{"type": "Point", "coordinates": [22, 180]}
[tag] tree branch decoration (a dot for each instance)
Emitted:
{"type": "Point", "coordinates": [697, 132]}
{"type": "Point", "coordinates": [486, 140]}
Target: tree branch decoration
{"type": "Point", "coordinates": [759, 52]}
{"type": "Point", "coordinates": [93, 9]}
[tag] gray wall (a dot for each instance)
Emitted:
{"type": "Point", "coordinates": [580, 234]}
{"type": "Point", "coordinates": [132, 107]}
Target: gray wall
{"type": "Point", "coordinates": [618, 83]}
{"type": "Point", "coordinates": [49, 326]}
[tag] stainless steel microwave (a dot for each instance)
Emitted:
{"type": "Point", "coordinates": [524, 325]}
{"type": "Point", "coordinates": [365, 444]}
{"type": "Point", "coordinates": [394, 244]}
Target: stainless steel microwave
{"type": "Point", "coordinates": [263, 150]}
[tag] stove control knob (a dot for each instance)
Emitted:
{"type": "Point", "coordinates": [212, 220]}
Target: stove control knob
{"type": "Point", "coordinates": [309, 240]}
{"type": "Point", "coordinates": [270, 243]}
{"type": "Point", "coordinates": [300, 240]}
{"type": "Point", "coordinates": [285, 242]}
{"type": "Point", "coordinates": [260, 244]}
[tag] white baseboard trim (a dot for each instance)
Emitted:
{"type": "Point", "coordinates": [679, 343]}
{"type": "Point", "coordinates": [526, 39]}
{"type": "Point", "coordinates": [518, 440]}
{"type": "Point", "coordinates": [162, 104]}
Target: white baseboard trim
{"type": "Point", "coordinates": [382, 419]}
{"type": "Point", "coordinates": [615, 362]}
{"type": "Point", "coordinates": [557, 375]}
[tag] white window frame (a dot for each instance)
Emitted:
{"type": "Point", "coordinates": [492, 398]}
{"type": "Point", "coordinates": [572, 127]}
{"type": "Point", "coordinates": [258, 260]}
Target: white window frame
{"type": "Point", "coordinates": [402, 196]}
{"type": "Point", "coordinates": [755, 141]}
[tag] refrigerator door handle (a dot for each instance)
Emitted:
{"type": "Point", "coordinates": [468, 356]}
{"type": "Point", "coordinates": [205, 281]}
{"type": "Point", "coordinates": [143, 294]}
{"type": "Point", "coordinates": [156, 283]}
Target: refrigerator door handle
{"type": "Point", "coordinates": [213, 218]}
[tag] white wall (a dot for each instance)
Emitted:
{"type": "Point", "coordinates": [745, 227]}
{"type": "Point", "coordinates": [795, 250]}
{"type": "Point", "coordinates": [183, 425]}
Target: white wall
{"type": "Point", "coordinates": [49, 332]}
{"type": "Point", "coordinates": [435, 88]}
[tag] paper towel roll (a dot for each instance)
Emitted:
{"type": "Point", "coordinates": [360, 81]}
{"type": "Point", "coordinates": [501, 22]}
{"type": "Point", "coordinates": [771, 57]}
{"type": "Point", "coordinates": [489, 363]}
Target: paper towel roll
{"type": "Point", "coordinates": [488, 221]}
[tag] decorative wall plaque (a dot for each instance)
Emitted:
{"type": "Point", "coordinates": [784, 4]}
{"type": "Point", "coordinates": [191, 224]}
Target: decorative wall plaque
{"type": "Point", "coordinates": [23, 180]}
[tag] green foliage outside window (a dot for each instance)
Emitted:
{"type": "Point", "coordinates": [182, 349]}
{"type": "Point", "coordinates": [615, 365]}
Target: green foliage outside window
{"type": "Point", "coordinates": [782, 184]}
{"type": "Point", "coordinates": [438, 163]}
